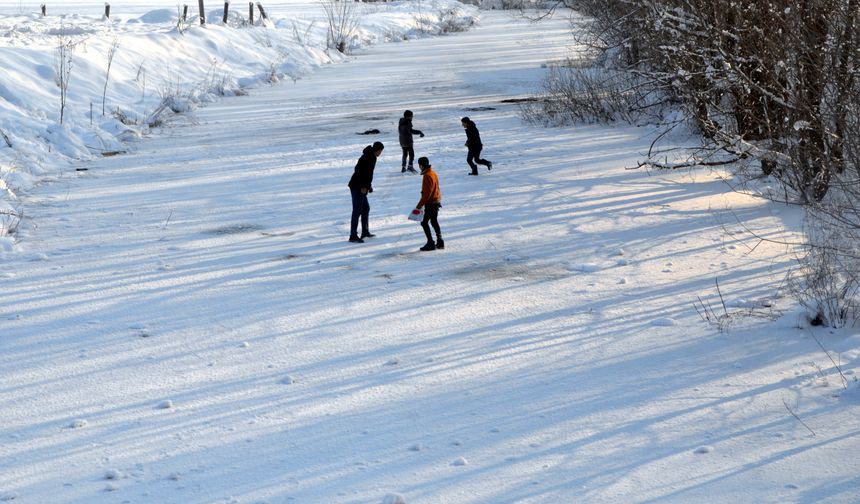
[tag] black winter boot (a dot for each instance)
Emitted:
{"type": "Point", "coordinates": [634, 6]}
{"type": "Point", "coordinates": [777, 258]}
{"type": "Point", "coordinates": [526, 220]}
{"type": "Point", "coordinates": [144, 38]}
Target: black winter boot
{"type": "Point", "coordinates": [430, 246]}
{"type": "Point", "coordinates": [440, 243]}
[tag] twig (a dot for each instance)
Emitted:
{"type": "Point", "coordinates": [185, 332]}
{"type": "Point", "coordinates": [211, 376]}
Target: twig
{"type": "Point", "coordinates": [6, 138]}
{"type": "Point", "coordinates": [678, 166]}
{"type": "Point", "coordinates": [168, 220]}
{"type": "Point", "coordinates": [841, 374]}
{"type": "Point", "coordinates": [717, 282]}
{"type": "Point", "coordinates": [797, 417]}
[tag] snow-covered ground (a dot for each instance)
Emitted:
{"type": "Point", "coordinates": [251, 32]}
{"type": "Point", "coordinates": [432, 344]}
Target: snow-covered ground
{"type": "Point", "coordinates": [186, 322]}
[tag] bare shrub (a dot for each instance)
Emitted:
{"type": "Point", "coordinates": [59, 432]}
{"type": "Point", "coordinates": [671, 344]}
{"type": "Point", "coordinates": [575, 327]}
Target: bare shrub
{"type": "Point", "coordinates": [450, 21]}
{"type": "Point", "coordinates": [9, 222]}
{"type": "Point", "coordinates": [724, 317]}
{"type": "Point", "coordinates": [342, 20]}
{"type": "Point", "coordinates": [64, 54]}
{"type": "Point", "coordinates": [827, 282]}
{"type": "Point", "coordinates": [302, 36]}
{"type": "Point", "coordinates": [110, 56]}
{"type": "Point", "coordinates": [574, 94]}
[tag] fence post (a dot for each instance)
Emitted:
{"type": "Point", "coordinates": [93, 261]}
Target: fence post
{"type": "Point", "coordinates": [262, 10]}
{"type": "Point", "coordinates": [107, 10]}
{"type": "Point", "coordinates": [251, 13]}
{"type": "Point", "coordinates": [185, 13]}
{"type": "Point", "coordinates": [226, 11]}
{"type": "Point", "coordinates": [202, 12]}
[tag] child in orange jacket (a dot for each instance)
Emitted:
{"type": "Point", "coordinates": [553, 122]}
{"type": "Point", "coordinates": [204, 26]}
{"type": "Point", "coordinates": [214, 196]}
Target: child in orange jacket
{"type": "Point", "coordinates": [431, 200]}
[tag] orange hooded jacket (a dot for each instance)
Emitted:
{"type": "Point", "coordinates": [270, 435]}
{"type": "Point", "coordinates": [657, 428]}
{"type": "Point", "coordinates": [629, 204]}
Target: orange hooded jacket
{"type": "Point", "coordinates": [430, 191]}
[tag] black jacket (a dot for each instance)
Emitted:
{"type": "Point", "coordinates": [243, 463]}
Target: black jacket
{"type": "Point", "coordinates": [473, 138]}
{"type": "Point", "coordinates": [406, 132]}
{"type": "Point", "coordinates": [362, 178]}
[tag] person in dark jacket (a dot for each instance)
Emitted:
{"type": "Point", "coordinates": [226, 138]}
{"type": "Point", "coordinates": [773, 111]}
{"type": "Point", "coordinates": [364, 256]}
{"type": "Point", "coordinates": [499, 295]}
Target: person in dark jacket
{"type": "Point", "coordinates": [360, 185]}
{"type": "Point", "coordinates": [431, 200]}
{"type": "Point", "coordinates": [473, 143]}
{"type": "Point", "coordinates": [406, 131]}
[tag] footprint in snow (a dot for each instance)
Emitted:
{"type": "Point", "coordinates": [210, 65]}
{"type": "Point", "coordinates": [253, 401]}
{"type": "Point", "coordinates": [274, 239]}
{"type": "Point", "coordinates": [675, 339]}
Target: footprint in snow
{"type": "Point", "coordinates": [113, 474]}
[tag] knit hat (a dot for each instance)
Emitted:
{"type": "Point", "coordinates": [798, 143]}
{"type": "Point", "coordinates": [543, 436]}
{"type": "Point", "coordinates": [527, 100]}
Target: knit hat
{"type": "Point", "coordinates": [423, 161]}
{"type": "Point", "coordinates": [377, 146]}
{"type": "Point", "coordinates": [408, 113]}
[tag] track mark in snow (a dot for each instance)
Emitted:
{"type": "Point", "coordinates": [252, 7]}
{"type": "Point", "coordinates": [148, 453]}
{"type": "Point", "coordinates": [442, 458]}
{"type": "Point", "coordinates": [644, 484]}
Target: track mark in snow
{"type": "Point", "coordinates": [235, 229]}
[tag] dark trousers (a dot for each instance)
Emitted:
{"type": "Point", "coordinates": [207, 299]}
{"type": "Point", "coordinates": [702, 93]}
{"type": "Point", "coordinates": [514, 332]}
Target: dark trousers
{"type": "Point", "coordinates": [474, 156]}
{"type": "Point", "coordinates": [431, 216]}
{"type": "Point", "coordinates": [360, 208]}
{"type": "Point", "coordinates": [408, 153]}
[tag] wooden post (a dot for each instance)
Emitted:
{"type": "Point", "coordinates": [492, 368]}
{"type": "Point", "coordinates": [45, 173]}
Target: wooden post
{"type": "Point", "coordinates": [44, 10]}
{"type": "Point", "coordinates": [185, 13]}
{"type": "Point", "coordinates": [226, 11]}
{"type": "Point", "coordinates": [107, 10]}
{"type": "Point", "coordinates": [202, 12]}
{"type": "Point", "coordinates": [262, 10]}
{"type": "Point", "coordinates": [251, 13]}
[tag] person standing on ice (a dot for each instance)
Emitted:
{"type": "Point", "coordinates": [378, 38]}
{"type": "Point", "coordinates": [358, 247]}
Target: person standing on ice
{"type": "Point", "coordinates": [406, 131]}
{"type": "Point", "coordinates": [360, 185]}
{"type": "Point", "coordinates": [431, 200]}
{"type": "Point", "coordinates": [473, 143]}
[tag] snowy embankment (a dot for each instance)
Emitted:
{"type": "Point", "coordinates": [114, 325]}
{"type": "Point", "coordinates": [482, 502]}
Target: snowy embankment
{"type": "Point", "coordinates": [159, 67]}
